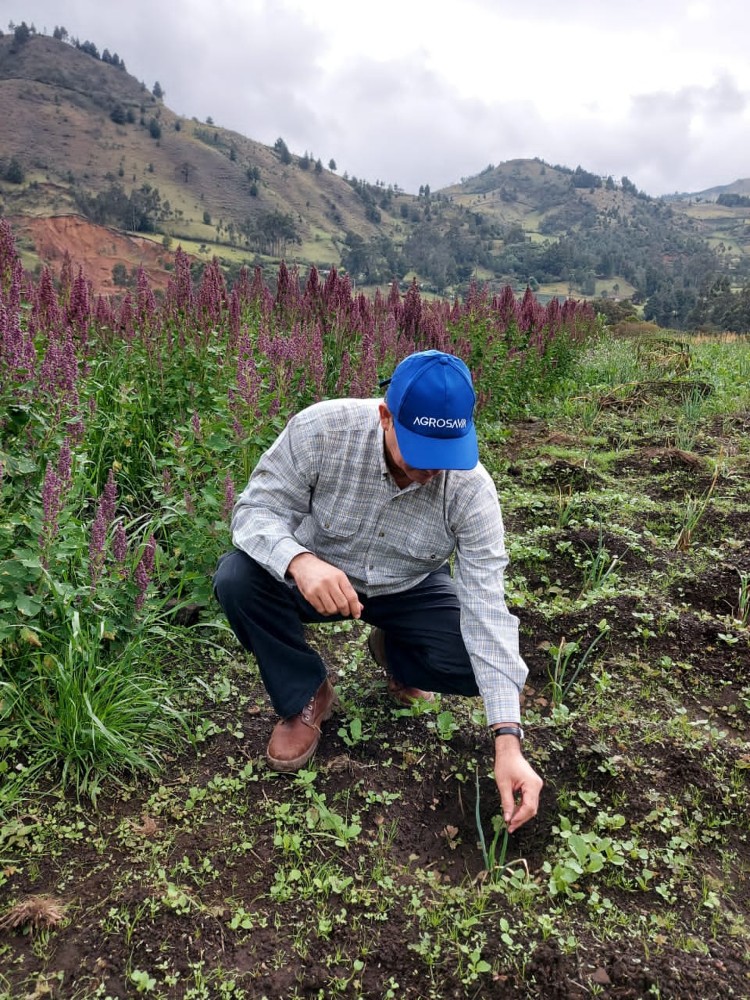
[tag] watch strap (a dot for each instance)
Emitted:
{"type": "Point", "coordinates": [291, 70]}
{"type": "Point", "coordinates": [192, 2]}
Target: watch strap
{"type": "Point", "coordinates": [508, 731]}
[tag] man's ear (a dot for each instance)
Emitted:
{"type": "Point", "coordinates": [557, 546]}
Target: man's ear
{"type": "Point", "coordinates": [386, 419]}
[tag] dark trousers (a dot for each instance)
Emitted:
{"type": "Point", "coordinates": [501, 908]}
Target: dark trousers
{"type": "Point", "coordinates": [423, 636]}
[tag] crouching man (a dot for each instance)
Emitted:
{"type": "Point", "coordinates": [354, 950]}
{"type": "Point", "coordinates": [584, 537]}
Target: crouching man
{"type": "Point", "coordinates": [354, 512]}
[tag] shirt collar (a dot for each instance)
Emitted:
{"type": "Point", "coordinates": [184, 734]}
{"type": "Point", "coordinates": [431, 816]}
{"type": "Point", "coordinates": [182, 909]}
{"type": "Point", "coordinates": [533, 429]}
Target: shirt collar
{"type": "Point", "coordinates": [381, 452]}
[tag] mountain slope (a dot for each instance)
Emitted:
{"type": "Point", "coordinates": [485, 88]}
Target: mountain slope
{"type": "Point", "coordinates": [82, 136]}
{"type": "Point", "coordinates": [61, 101]}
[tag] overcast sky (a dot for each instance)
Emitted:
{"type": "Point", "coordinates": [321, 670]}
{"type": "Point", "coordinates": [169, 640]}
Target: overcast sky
{"type": "Point", "coordinates": [414, 92]}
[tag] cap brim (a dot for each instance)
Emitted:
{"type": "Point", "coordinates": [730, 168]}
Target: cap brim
{"type": "Point", "coordinates": [421, 452]}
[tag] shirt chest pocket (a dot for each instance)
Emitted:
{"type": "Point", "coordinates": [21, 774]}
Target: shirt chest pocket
{"type": "Point", "coordinates": [334, 520]}
{"type": "Point", "coordinates": [421, 541]}
{"type": "Point", "coordinates": [427, 548]}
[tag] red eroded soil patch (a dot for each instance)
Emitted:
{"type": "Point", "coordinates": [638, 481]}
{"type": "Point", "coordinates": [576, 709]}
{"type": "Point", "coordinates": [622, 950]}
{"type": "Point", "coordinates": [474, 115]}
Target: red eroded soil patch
{"type": "Point", "coordinates": [94, 248]}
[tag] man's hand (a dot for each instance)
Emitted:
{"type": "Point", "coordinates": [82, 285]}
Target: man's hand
{"type": "Point", "coordinates": [517, 781]}
{"type": "Point", "coordinates": [327, 588]}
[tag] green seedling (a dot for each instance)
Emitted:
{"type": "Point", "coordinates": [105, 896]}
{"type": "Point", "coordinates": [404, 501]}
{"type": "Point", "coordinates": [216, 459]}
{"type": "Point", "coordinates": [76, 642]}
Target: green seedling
{"type": "Point", "coordinates": [494, 855]}
{"type": "Point", "coordinates": [566, 506]}
{"type": "Point", "coordinates": [354, 733]}
{"type": "Point", "coordinates": [743, 599]}
{"type": "Point", "coordinates": [599, 567]}
{"type": "Point", "coordinates": [584, 854]}
{"type": "Point", "coordinates": [695, 509]}
{"type": "Point", "coordinates": [143, 982]}
{"type": "Point", "coordinates": [321, 818]}
{"type": "Point", "coordinates": [446, 725]}
{"type": "Point", "coordinates": [566, 667]}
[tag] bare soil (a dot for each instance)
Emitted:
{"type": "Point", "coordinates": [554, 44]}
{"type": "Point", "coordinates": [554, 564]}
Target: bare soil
{"type": "Point", "coordinates": [196, 878]}
{"type": "Point", "coordinates": [94, 248]}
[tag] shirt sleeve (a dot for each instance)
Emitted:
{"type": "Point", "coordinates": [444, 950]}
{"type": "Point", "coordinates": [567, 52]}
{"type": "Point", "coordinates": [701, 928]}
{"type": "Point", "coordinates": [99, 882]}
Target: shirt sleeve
{"type": "Point", "coordinates": [276, 500]}
{"type": "Point", "coordinates": [489, 631]}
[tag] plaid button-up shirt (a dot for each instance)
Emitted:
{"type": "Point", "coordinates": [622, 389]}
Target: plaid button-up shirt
{"type": "Point", "coordinates": [324, 487]}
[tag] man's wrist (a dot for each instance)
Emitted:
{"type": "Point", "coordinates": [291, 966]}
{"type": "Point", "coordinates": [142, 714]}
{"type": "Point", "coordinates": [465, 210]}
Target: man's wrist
{"type": "Point", "coordinates": [507, 729]}
{"type": "Point", "coordinates": [296, 559]}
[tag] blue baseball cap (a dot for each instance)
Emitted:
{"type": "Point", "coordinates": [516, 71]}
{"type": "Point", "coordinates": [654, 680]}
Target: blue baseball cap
{"type": "Point", "coordinates": [431, 398]}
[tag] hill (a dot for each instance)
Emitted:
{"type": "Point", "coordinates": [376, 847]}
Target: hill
{"type": "Point", "coordinates": [739, 187]}
{"type": "Point", "coordinates": [88, 139]}
{"type": "Point", "coordinates": [92, 140]}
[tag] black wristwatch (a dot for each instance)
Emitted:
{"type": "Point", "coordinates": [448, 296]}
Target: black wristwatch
{"type": "Point", "coordinates": [508, 731]}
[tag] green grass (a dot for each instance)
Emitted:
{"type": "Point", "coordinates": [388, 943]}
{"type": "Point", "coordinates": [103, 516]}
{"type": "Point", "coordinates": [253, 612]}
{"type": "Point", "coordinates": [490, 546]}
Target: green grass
{"type": "Point", "coordinates": [91, 715]}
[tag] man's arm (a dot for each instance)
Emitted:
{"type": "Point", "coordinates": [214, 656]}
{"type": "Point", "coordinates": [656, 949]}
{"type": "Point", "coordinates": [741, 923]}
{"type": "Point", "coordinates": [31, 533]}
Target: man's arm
{"type": "Point", "coordinates": [276, 500]}
{"type": "Point", "coordinates": [274, 503]}
{"type": "Point", "coordinates": [490, 633]}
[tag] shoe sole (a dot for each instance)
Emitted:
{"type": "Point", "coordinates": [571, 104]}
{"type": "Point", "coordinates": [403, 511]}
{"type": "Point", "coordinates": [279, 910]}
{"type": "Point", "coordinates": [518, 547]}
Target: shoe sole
{"type": "Point", "coordinates": [277, 764]}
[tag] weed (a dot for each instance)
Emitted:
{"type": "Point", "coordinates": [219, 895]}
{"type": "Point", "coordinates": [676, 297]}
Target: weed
{"type": "Point", "coordinates": [693, 513]}
{"type": "Point", "coordinates": [143, 982]}
{"type": "Point", "coordinates": [566, 507]}
{"type": "Point", "coordinates": [687, 422]}
{"type": "Point", "coordinates": [584, 854]}
{"type": "Point", "coordinates": [324, 820]}
{"type": "Point", "coordinates": [354, 732]}
{"type": "Point", "coordinates": [94, 714]}
{"type": "Point", "coordinates": [446, 725]}
{"type": "Point", "coordinates": [567, 667]}
{"type": "Point", "coordinates": [599, 567]}
{"type": "Point", "coordinates": [742, 613]}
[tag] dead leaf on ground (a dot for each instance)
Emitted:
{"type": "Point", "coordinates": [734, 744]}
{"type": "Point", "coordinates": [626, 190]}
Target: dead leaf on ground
{"type": "Point", "coordinates": [35, 912]}
{"type": "Point", "coordinates": [451, 835]}
{"type": "Point", "coordinates": [147, 828]}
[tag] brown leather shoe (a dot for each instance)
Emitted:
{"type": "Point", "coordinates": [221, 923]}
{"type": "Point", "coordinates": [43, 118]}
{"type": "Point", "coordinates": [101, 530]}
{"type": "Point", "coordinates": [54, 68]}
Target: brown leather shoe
{"type": "Point", "coordinates": [294, 740]}
{"type": "Point", "coordinates": [399, 691]}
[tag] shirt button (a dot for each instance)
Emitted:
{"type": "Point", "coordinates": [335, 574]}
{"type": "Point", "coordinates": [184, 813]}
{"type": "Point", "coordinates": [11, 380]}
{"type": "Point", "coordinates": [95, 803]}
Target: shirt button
{"type": "Point", "coordinates": [382, 534]}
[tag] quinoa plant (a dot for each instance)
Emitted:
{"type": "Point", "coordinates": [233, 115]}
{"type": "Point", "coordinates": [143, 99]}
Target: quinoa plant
{"type": "Point", "coordinates": [131, 424]}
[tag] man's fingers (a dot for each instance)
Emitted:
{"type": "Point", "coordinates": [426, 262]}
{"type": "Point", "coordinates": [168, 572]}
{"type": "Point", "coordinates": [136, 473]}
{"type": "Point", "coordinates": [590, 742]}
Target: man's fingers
{"type": "Point", "coordinates": [521, 813]}
{"type": "Point", "coordinates": [329, 605]}
{"type": "Point", "coordinates": [353, 605]}
{"type": "Point", "coordinates": [526, 806]}
{"type": "Point", "coordinates": [507, 801]}
{"type": "Point", "coordinates": [327, 588]}
{"type": "Point", "coordinates": [338, 598]}
{"type": "Point", "coordinates": [342, 603]}
{"type": "Point", "coordinates": [323, 598]}
{"type": "Point", "coordinates": [520, 787]}
{"type": "Point", "coordinates": [345, 598]}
